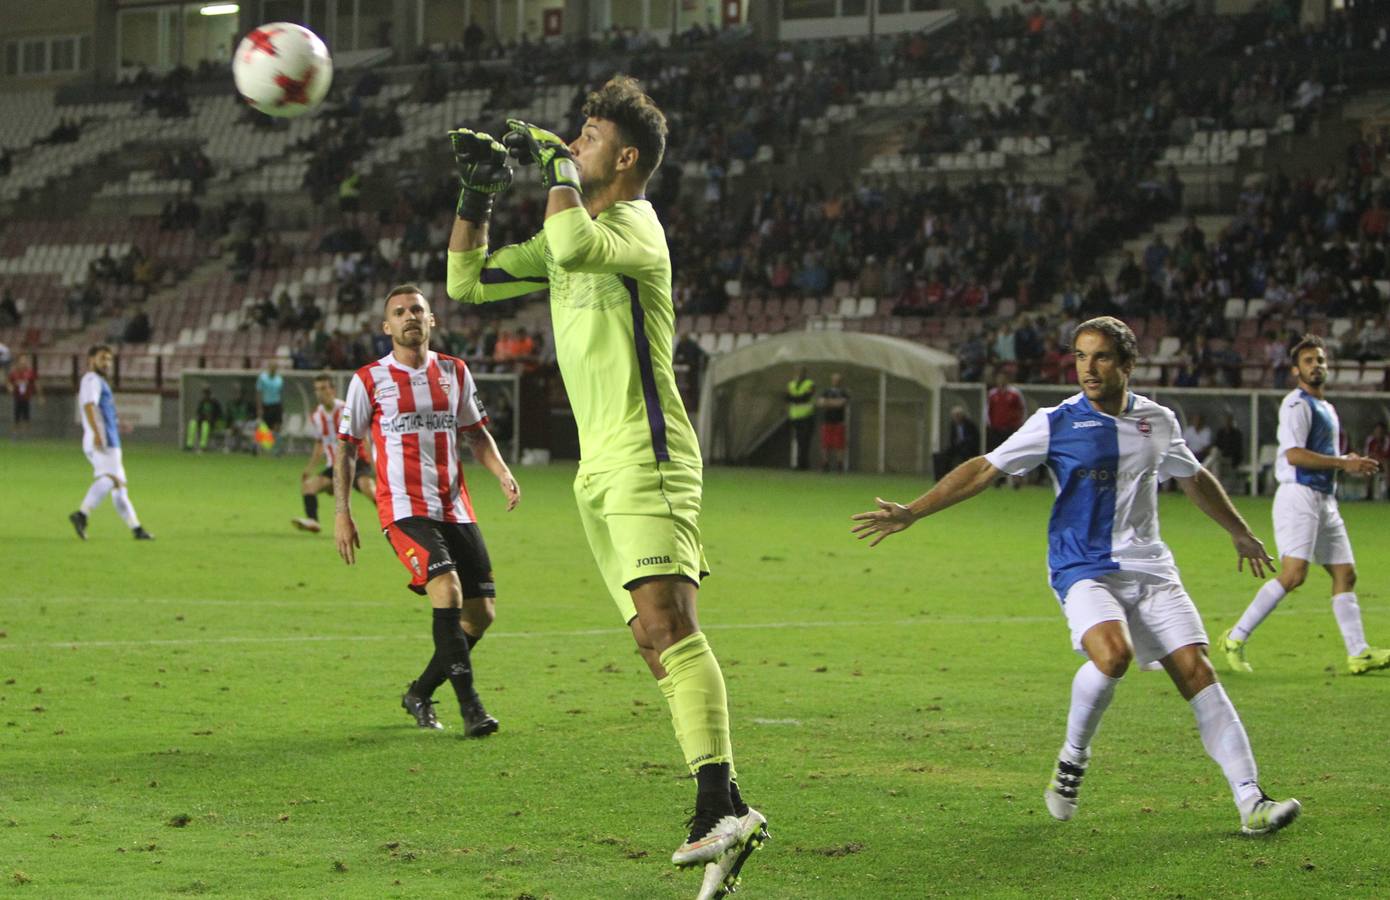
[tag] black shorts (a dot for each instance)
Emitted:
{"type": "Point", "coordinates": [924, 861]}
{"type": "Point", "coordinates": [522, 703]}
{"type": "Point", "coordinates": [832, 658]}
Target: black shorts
{"type": "Point", "coordinates": [427, 547]}
{"type": "Point", "coordinates": [21, 409]}
{"type": "Point", "coordinates": [273, 414]}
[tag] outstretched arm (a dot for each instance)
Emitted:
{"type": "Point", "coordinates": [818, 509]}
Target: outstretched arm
{"type": "Point", "coordinates": [1206, 492]}
{"type": "Point", "coordinates": [961, 483]}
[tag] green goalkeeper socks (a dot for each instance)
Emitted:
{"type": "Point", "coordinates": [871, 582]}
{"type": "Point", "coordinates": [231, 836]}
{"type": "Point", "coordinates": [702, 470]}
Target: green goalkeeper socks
{"type": "Point", "coordinates": [694, 688]}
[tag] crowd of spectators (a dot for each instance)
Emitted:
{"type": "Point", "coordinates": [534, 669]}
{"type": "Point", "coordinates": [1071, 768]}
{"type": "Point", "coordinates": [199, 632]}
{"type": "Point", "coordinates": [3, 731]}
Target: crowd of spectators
{"type": "Point", "coordinates": [1124, 79]}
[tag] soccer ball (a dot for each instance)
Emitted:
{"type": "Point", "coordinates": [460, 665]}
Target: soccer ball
{"type": "Point", "coordinates": [282, 69]}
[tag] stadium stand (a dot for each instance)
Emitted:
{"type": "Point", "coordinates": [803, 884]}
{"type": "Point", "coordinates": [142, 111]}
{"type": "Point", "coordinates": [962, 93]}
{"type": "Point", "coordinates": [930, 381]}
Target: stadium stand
{"type": "Point", "coordinates": [967, 227]}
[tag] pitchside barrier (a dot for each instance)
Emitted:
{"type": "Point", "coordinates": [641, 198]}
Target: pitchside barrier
{"type": "Point", "coordinates": [500, 394]}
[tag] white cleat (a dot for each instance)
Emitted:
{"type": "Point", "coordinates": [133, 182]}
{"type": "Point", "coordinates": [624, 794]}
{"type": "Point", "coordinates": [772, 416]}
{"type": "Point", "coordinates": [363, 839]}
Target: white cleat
{"type": "Point", "coordinates": [713, 886]}
{"type": "Point", "coordinates": [1269, 815]}
{"type": "Point", "coordinates": [708, 841]}
{"type": "Point", "coordinates": [1063, 794]}
{"type": "Point", "coordinates": [304, 523]}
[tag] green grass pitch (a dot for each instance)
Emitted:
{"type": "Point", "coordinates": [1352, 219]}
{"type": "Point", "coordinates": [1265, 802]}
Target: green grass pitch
{"type": "Point", "coordinates": [217, 712]}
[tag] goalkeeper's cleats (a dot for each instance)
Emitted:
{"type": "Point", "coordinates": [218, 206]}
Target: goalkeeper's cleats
{"type": "Point", "coordinates": [140, 534]}
{"type": "Point", "coordinates": [1269, 815]}
{"type": "Point", "coordinates": [1063, 794]}
{"type": "Point", "coordinates": [712, 832]}
{"type": "Point", "coordinates": [79, 523]}
{"type": "Point", "coordinates": [529, 144]}
{"type": "Point", "coordinates": [1235, 652]}
{"type": "Point", "coordinates": [476, 721]}
{"type": "Point", "coordinates": [422, 708]}
{"type": "Point", "coordinates": [1368, 661]}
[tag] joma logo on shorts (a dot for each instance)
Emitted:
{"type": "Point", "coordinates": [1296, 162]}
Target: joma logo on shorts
{"type": "Point", "coordinates": [654, 561]}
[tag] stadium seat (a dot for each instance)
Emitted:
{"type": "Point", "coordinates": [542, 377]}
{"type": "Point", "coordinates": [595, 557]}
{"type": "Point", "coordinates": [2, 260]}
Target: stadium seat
{"type": "Point", "coordinates": [1168, 348]}
{"type": "Point", "coordinates": [1254, 307]}
{"type": "Point", "coordinates": [1265, 464]}
{"type": "Point", "coordinates": [1235, 308]}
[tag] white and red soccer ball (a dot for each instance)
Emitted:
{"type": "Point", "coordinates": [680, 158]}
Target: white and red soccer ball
{"type": "Point", "coordinates": [282, 69]}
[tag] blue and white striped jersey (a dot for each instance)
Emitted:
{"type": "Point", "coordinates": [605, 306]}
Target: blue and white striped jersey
{"type": "Point", "coordinates": [1310, 424]}
{"type": "Point", "coordinates": [1105, 471]}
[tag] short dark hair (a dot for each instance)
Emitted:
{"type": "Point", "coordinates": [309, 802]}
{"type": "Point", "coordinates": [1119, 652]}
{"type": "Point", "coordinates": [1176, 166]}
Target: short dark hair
{"type": "Point", "coordinates": [98, 348]}
{"type": "Point", "coordinates": [1307, 342]}
{"type": "Point", "coordinates": [640, 123]}
{"type": "Point", "coordinates": [408, 287]}
{"type": "Point", "coordinates": [322, 377]}
{"type": "Point", "coordinates": [1120, 334]}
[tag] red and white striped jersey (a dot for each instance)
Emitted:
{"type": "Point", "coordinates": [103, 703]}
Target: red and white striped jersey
{"type": "Point", "coordinates": [413, 417]}
{"type": "Point", "coordinates": [325, 425]}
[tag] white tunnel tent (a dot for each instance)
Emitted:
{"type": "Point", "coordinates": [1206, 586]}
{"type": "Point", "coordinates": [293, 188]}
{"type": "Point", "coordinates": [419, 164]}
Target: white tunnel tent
{"type": "Point", "coordinates": [894, 387]}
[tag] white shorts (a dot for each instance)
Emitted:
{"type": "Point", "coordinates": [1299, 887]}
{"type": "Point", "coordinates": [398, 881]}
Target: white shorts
{"type": "Point", "coordinates": [1157, 613]}
{"type": "Point", "coordinates": [106, 462]}
{"type": "Point", "coordinates": [1308, 526]}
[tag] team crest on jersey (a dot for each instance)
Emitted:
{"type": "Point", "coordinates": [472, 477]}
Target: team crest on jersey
{"type": "Point", "coordinates": [1145, 428]}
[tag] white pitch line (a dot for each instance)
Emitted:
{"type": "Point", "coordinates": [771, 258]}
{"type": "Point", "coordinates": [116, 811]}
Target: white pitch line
{"type": "Point", "coordinates": [582, 632]}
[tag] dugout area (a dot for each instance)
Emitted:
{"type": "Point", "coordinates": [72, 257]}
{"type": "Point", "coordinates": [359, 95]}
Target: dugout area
{"type": "Point", "coordinates": [893, 384]}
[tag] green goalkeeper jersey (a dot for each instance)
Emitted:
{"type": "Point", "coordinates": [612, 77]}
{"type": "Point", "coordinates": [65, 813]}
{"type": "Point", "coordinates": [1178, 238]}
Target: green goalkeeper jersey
{"type": "Point", "coordinates": [610, 302]}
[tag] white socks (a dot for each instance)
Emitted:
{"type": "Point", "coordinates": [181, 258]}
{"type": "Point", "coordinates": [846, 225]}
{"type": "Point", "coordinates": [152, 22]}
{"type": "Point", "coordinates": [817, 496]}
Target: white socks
{"type": "Point", "coordinates": [1348, 613]}
{"type": "Point", "coordinates": [1268, 597]}
{"type": "Point", "coordinates": [1224, 737]}
{"type": "Point", "coordinates": [95, 494]}
{"type": "Point", "coordinates": [121, 500]}
{"type": "Point", "coordinates": [1091, 693]}
{"type": "Point", "coordinates": [1344, 607]}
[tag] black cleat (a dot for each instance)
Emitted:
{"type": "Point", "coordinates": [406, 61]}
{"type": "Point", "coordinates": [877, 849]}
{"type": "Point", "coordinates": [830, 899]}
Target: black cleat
{"type": "Point", "coordinates": [476, 721]}
{"type": "Point", "coordinates": [422, 708]}
{"type": "Point", "coordinates": [141, 534]}
{"type": "Point", "coordinates": [79, 523]}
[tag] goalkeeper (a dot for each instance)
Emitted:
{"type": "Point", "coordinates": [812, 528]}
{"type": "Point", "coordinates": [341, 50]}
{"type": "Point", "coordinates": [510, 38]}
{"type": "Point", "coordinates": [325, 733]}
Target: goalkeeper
{"type": "Point", "coordinates": [602, 253]}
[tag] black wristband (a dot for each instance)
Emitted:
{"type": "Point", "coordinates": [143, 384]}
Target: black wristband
{"type": "Point", "coordinates": [474, 206]}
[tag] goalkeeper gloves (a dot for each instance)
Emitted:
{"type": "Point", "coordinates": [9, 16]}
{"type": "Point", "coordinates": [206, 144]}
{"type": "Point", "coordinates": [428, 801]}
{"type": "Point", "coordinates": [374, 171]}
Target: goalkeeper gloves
{"type": "Point", "coordinates": [529, 144]}
{"type": "Point", "coordinates": [483, 170]}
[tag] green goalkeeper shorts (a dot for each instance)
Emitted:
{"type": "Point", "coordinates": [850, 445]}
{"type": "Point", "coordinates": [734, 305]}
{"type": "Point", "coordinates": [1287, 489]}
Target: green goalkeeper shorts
{"type": "Point", "coordinates": [642, 521]}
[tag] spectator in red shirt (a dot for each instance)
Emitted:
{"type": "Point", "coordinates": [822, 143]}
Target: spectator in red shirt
{"type": "Point", "coordinates": [1005, 413]}
{"type": "Point", "coordinates": [1374, 221]}
{"type": "Point", "coordinates": [23, 383]}
{"type": "Point", "coordinates": [1378, 449]}
{"type": "Point", "coordinates": [1054, 363]}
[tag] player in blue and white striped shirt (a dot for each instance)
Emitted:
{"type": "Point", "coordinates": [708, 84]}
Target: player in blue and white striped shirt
{"type": "Point", "coordinates": [1106, 450]}
{"type": "Point", "coordinates": [1308, 527]}
{"type": "Point", "coordinates": [101, 441]}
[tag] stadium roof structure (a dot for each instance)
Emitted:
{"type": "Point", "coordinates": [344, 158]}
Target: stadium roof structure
{"type": "Point", "coordinates": [742, 396]}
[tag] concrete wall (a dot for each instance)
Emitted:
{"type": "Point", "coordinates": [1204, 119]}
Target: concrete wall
{"type": "Point", "coordinates": [55, 418]}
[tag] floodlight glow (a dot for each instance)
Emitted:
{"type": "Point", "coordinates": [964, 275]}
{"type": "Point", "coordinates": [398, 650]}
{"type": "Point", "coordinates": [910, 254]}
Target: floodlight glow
{"type": "Point", "coordinates": [220, 9]}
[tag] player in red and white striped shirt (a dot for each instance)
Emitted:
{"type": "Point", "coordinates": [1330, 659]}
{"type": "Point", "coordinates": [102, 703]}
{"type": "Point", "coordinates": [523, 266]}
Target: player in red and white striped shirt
{"type": "Point", "coordinates": [312, 482]}
{"type": "Point", "coordinates": [414, 403]}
